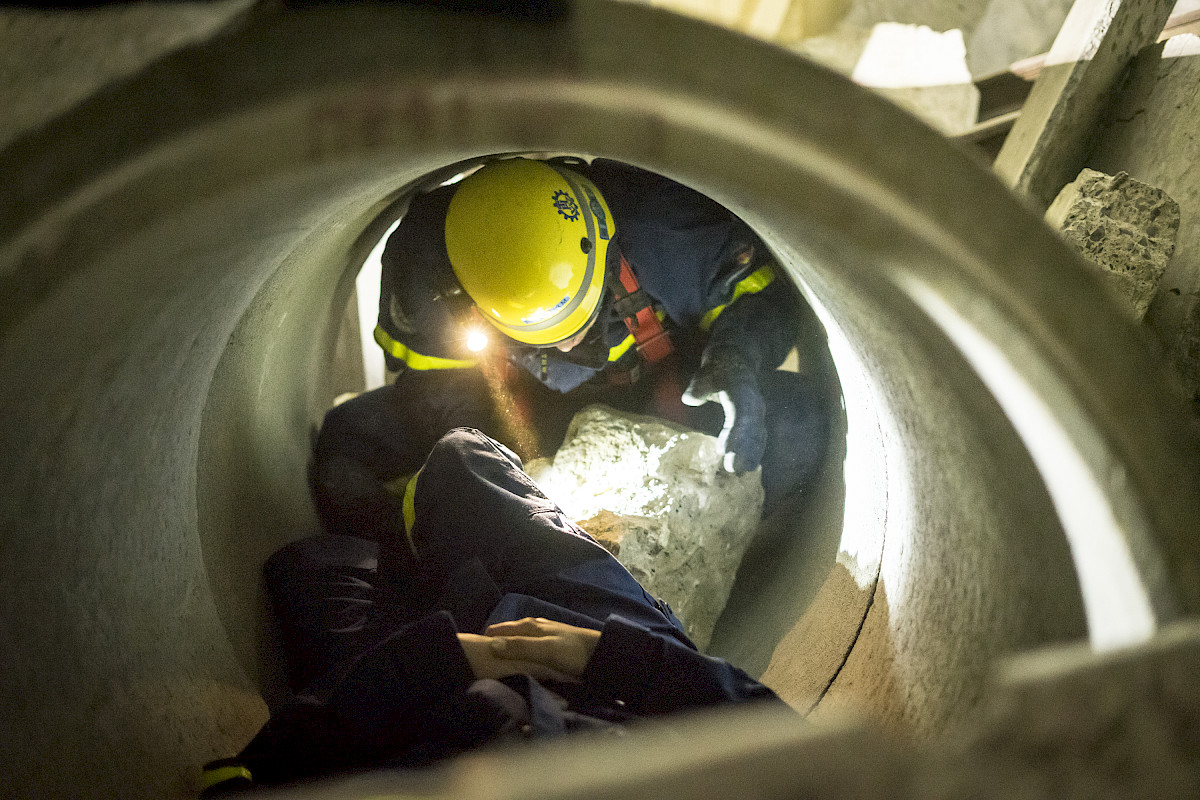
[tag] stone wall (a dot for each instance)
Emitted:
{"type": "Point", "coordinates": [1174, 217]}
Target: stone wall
{"type": "Point", "coordinates": [1154, 136]}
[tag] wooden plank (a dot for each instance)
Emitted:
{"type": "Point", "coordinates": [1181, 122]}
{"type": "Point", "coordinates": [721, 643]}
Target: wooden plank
{"type": "Point", "coordinates": [1180, 22]}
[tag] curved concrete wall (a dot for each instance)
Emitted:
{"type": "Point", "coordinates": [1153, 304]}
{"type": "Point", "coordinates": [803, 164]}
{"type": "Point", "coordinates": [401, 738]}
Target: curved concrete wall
{"type": "Point", "coordinates": [179, 249]}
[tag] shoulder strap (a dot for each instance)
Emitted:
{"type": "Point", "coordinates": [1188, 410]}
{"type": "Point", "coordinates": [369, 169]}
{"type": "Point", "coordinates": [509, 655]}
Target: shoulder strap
{"type": "Point", "coordinates": [634, 306]}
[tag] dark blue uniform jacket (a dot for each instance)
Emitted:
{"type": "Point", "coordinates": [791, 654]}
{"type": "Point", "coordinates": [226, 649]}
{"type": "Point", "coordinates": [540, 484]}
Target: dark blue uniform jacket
{"type": "Point", "coordinates": [687, 251]}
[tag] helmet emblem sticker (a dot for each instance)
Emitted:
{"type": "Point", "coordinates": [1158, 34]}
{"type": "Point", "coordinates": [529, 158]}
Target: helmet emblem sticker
{"type": "Point", "coordinates": [566, 206]}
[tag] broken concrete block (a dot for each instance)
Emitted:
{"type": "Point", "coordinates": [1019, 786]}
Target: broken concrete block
{"type": "Point", "coordinates": [1126, 227]}
{"type": "Point", "coordinates": [656, 496]}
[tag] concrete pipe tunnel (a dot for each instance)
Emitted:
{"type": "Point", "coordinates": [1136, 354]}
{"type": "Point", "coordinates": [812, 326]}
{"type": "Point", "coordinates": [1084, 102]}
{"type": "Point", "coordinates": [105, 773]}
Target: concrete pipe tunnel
{"type": "Point", "coordinates": [180, 248]}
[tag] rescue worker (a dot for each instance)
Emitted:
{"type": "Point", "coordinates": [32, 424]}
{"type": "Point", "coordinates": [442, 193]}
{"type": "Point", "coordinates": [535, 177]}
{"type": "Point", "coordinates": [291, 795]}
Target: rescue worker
{"type": "Point", "coordinates": [484, 615]}
{"type": "Point", "coordinates": [584, 274]}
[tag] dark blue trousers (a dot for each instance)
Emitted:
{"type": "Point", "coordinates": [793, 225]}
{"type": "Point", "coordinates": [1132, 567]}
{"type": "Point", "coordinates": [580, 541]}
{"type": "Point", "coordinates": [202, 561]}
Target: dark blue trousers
{"type": "Point", "coordinates": [490, 547]}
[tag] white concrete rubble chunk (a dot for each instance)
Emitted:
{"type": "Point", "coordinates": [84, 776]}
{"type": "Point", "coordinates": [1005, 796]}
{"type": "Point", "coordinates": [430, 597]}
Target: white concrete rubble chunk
{"type": "Point", "coordinates": [656, 496]}
{"type": "Point", "coordinates": [1126, 227]}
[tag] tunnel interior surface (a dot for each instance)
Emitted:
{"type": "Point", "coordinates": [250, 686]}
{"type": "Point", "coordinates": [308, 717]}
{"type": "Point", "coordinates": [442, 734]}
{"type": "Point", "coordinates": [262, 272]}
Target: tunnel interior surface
{"type": "Point", "coordinates": [180, 249]}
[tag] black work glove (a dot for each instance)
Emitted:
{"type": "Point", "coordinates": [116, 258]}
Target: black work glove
{"type": "Point", "coordinates": [725, 378]}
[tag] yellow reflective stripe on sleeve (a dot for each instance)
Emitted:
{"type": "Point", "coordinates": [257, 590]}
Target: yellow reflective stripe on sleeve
{"type": "Point", "coordinates": [217, 775]}
{"type": "Point", "coordinates": [410, 509]}
{"type": "Point", "coordinates": [754, 282]}
{"type": "Point", "coordinates": [414, 359]}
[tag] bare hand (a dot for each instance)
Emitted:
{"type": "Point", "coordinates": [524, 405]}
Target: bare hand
{"type": "Point", "coordinates": [486, 663]}
{"type": "Point", "coordinates": [564, 649]}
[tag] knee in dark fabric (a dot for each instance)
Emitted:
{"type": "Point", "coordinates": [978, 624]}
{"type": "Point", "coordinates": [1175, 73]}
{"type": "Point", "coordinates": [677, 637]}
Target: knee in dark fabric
{"type": "Point", "coordinates": [322, 595]}
{"type": "Point", "coordinates": [314, 552]}
{"type": "Point", "coordinates": [310, 570]}
{"type": "Point", "coordinates": [364, 444]}
{"type": "Point", "coordinates": [463, 445]}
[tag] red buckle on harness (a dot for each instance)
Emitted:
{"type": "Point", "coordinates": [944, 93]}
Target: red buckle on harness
{"type": "Point", "coordinates": [648, 334]}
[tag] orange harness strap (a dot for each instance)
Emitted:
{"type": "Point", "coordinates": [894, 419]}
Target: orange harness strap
{"type": "Point", "coordinates": [634, 306]}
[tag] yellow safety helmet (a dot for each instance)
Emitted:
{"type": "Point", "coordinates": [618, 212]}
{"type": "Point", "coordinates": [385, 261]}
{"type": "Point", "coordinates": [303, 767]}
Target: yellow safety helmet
{"type": "Point", "coordinates": [528, 242]}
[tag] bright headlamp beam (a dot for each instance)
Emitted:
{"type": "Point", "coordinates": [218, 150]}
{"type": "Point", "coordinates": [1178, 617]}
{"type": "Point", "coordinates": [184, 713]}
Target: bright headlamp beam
{"type": "Point", "coordinates": [476, 340]}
